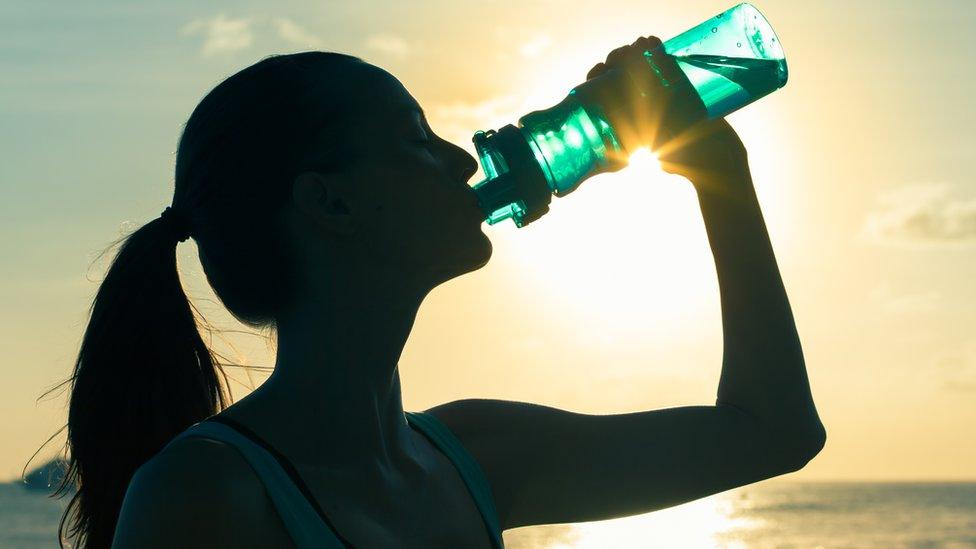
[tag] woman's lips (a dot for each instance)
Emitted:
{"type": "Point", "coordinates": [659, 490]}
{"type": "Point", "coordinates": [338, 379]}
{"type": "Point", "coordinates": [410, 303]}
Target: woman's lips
{"type": "Point", "coordinates": [476, 206]}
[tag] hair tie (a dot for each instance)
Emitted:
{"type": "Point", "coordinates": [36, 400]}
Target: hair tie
{"type": "Point", "coordinates": [178, 222]}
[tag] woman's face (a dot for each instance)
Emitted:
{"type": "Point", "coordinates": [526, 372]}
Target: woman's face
{"type": "Point", "coordinates": [416, 211]}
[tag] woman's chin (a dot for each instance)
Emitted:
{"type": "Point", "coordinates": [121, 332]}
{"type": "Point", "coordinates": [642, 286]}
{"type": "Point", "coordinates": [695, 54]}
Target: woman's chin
{"type": "Point", "coordinates": [486, 248]}
{"type": "Point", "coordinates": [475, 256]}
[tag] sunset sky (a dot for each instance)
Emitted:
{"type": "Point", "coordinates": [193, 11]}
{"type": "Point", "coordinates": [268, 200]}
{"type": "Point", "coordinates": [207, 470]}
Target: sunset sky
{"type": "Point", "coordinates": [607, 304]}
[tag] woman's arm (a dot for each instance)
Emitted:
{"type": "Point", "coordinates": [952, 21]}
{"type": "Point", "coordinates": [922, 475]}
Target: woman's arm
{"type": "Point", "coordinates": [763, 371]}
{"type": "Point", "coordinates": [545, 465]}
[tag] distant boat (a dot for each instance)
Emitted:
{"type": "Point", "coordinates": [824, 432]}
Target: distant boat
{"type": "Point", "coordinates": [47, 477]}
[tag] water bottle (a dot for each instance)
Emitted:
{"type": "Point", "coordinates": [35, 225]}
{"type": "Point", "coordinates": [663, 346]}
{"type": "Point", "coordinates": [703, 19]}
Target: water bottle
{"type": "Point", "coordinates": [726, 62]}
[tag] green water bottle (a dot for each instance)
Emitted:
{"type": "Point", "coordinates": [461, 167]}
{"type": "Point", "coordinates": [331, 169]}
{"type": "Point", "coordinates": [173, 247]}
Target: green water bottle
{"type": "Point", "coordinates": [727, 62]}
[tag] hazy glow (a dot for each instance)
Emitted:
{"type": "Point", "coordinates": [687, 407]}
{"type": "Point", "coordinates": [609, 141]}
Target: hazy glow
{"type": "Point", "coordinates": [599, 257]}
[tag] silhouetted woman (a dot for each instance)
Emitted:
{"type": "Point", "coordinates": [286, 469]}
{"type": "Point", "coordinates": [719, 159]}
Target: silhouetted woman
{"type": "Point", "coordinates": [325, 207]}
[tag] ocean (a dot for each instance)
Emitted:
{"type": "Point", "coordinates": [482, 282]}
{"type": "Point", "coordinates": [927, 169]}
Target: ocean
{"type": "Point", "coordinates": [771, 514]}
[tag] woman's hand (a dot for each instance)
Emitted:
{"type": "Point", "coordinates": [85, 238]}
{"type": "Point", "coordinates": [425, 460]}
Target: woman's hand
{"type": "Point", "coordinates": [704, 149]}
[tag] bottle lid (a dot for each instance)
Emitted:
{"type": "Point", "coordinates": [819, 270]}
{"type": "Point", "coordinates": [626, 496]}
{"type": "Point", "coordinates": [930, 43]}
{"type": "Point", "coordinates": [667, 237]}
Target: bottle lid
{"type": "Point", "coordinates": [519, 188]}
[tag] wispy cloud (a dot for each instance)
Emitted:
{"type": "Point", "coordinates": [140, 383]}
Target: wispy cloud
{"type": "Point", "coordinates": [389, 44]}
{"type": "Point", "coordinates": [894, 302]}
{"type": "Point", "coordinates": [456, 121]}
{"type": "Point", "coordinates": [936, 213]}
{"type": "Point", "coordinates": [294, 33]}
{"type": "Point", "coordinates": [958, 368]}
{"type": "Point", "coordinates": [221, 34]}
{"type": "Point", "coordinates": [526, 41]}
{"type": "Point", "coordinates": [536, 46]}
{"type": "Point", "coordinates": [487, 111]}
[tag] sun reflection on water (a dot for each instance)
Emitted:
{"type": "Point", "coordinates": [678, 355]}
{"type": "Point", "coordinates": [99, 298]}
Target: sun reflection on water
{"type": "Point", "coordinates": [705, 523]}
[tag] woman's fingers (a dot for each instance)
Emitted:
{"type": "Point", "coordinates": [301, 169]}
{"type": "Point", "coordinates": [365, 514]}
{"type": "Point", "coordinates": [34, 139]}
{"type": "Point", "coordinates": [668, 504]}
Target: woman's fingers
{"type": "Point", "coordinates": [597, 70]}
{"type": "Point", "coordinates": [618, 55]}
{"type": "Point", "coordinates": [647, 42]}
{"type": "Point", "coordinates": [657, 113]}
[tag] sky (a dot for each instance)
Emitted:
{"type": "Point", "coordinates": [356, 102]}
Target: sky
{"type": "Point", "coordinates": [609, 303]}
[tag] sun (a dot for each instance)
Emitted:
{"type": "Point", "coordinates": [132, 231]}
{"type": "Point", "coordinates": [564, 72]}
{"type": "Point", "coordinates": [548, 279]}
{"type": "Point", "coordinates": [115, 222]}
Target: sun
{"type": "Point", "coordinates": [643, 161]}
{"type": "Point", "coordinates": [623, 251]}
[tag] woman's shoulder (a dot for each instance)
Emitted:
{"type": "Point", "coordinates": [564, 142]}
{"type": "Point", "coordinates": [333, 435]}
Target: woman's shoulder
{"type": "Point", "coordinates": [198, 492]}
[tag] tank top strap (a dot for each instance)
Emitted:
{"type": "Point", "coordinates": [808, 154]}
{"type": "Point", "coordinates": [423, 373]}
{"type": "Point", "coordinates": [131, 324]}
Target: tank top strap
{"type": "Point", "coordinates": [472, 474]}
{"type": "Point", "coordinates": [301, 515]}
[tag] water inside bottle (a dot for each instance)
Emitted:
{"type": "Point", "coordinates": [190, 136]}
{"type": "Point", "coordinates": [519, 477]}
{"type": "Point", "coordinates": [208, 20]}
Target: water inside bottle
{"type": "Point", "coordinates": [729, 77]}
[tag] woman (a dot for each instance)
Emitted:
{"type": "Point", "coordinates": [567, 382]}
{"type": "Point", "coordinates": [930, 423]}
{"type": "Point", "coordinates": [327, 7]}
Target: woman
{"type": "Point", "coordinates": [325, 207]}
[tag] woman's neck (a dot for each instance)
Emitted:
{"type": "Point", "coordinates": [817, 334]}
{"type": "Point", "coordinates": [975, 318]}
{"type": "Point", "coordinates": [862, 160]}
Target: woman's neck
{"type": "Point", "coordinates": [334, 398]}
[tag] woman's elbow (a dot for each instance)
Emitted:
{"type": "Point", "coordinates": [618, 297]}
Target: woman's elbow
{"type": "Point", "coordinates": [797, 448]}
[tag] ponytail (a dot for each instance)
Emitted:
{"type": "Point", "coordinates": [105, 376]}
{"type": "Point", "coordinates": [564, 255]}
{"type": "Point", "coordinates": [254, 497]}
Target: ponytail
{"type": "Point", "coordinates": [143, 375]}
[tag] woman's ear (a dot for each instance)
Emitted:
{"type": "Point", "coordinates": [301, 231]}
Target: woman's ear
{"type": "Point", "coordinates": [321, 199]}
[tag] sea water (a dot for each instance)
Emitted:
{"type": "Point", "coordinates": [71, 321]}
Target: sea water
{"type": "Point", "coordinates": [774, 514]}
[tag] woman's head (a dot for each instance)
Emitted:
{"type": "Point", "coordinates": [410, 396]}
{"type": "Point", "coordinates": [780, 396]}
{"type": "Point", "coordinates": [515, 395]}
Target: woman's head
{"type": "Point", "coordinates": [402, 210]}
{"type": "Point", "coordinates": [300, 164]}
{"type": "Point", "coordinates": [293, 168]}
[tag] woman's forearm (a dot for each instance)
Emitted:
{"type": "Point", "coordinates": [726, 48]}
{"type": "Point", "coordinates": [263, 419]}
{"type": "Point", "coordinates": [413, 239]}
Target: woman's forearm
{"type": "Point", "coordinates": [763, 371]}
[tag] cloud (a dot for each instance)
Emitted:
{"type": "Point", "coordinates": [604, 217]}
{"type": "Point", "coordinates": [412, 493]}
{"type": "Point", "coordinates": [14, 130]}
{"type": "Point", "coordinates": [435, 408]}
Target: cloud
{"type": "Point", "coordinates": [221, 34]}
{"type": "Point", "coordinates": [904, 303]}
{"type": "Point", "coordinates": [958, 368]}
{"type": "Point", "coordinates": [526, 41]}
{"type": "Point", "coordinates": [292, 32]}
{"type": "Point", "coordinates": [923, 214]}
{"type": "Point", "coordinates": [388, 44]}
{"type": "Point", "coordinates": [457, 121]}
{"type": "Point", "coordinates": [535, 46]}
{"type": "Point", "coordinates": [482, 112]}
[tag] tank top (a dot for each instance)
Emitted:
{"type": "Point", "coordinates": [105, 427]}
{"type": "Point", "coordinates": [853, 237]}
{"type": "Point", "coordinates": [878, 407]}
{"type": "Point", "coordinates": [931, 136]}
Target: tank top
{"type": "Point", "coordinates": [303, 517]}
